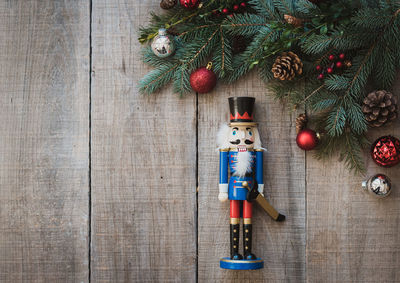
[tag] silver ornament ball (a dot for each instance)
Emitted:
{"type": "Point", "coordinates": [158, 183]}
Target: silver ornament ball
{"type": "Point", "coordinates": [378, 185]}
{"type": "Point", "coordinates": [163, 44]}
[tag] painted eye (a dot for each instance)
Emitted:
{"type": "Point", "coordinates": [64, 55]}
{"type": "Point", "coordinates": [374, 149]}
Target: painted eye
{"type": "Point", "coordinates": [234, 133]}
{"type": "Point", "coordinates": [250, 133]}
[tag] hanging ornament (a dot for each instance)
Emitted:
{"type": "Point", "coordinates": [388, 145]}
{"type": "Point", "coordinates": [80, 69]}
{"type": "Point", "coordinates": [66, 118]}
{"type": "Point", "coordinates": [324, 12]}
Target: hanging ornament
{"type": "Point", "coordinates": [287, 66]}
{"type": "Point", "coordinates": [378, 185]}
{"type": "Point", "coordinates": [190, 4]}
{"type": "Point", "coordinates": [203, 80]}
{"type": "Point", "coordinates": [379, 107]}
{"type": "Point", "coordinates": [167, 4]}
{"type": "Point", "coordinates": [385, 151]}
{"type": "Point", "coordinates": [306, 139]}
{"type": "Point", "coordinates": [163, 44]}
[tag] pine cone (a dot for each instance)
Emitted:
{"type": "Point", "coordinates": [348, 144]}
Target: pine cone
{"type": "Point", "coordinates": [301, 122]}
{"type": "Point", "coordinates": [287, 66]}
{"type": "Point", "coordinates": [380, 107]}
{"type": "Point", "coordinates": [296, 22]}
{"type": "Point", "coordinates": [167, 4]}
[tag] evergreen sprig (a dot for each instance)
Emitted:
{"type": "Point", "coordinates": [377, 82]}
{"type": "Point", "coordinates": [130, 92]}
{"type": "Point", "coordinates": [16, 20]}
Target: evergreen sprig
{"type": "Point", "coordinates": [368, 31]}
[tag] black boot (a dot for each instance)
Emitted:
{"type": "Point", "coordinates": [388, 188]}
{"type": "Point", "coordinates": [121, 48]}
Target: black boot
{"type": "Point", "coordinates": [235, 242]}
{"type": "Point", "coordinates": [247, 235]}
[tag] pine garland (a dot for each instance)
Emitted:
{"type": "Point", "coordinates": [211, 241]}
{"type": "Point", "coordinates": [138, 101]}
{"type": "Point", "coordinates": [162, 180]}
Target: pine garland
{"type": "Point", "coordinates": [368, 32]}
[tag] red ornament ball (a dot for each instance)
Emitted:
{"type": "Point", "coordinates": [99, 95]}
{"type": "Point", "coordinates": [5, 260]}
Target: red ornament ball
{"type": "Point", "coordinates": [203, 80]}
{"type": "Point", "coordinates": [225, 11]}
{"type": "Point", "coordinates": [318, 68]}
{"type": "Point", "coordinates": [385, 151]}
{"type": "Point", "coordinates": [331, 57]}
{"type": "Point", "coordinates": [307, 139]}
{"type": "Point", "coordinates": [235, 7]}
{"type": "Point", "coordinates": [320, 76]}
{"type": "Point", "coordinates": [329, 70]}
{"type": "Point", "coordinates": [243, 5]}
{"type": "Point", "coordinates": [190, 4]}
{"type": "Point", "coordinates": [341, 56]}
{"type": "Point", "coordinates": [339, 64]}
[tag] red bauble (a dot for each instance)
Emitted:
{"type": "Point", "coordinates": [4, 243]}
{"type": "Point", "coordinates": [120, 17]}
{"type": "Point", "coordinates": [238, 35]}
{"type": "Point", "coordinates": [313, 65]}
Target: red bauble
{"type": "Point", "coordinates": [203, 80]}
{"type": "Point", "coordinates": [331, 57]}
{"type": "Point", "coordinates": [190, 4]}
{"type": "Point", "coordinates": [339, 64]}
{"type": "Point", "coordinates": [329, 70]}
{"type": "Point", "coordinates": [307, 139]}
{"type": "Point", "coordinates": [385, 151]}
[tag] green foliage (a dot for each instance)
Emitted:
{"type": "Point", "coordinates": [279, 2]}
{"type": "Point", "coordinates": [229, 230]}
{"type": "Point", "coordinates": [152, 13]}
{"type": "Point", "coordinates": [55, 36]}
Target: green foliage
{"type": "Point", "coordinates": [367, 31]}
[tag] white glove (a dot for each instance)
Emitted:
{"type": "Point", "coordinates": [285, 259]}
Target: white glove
{"type": "Point", "coordinates": [261, 189]}
{"type": "Point", "coordinates": [223, 192]}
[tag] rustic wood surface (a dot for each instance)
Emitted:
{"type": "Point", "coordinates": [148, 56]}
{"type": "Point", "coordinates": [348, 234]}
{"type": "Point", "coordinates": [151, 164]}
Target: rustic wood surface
{"type": "Point", "coordinates": [44, 141]}
{"type": "Point", "coordinates": [101, 184]}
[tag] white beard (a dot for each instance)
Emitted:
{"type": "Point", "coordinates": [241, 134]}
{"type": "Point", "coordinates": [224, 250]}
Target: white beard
{"type": "Point", "coordinates": [243, 164]}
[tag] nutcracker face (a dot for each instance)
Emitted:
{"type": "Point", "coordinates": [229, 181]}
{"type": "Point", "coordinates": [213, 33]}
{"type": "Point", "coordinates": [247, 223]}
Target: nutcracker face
{"type": "Point", "coordinates": [242, 137]}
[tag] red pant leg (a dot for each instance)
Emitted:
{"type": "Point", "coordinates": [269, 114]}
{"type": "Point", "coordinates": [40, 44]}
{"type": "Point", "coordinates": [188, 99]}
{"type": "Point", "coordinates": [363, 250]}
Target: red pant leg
{"type": "Point", "coordinates": [235, 208]}
{"type": "Point", "coordinates": [247, 209]}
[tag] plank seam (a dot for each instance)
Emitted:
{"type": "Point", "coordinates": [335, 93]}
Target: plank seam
{"type": "Point", "coordinates": [197, 188]}
{"type": "Point", "coordinates": [90, 145]}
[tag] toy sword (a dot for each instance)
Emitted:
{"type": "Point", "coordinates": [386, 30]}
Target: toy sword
{"type": "Point", "coordinates": [255, 195]}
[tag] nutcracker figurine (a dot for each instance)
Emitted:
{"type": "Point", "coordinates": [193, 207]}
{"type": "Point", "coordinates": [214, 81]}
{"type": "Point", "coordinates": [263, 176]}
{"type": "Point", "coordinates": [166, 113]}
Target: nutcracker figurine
{"type": "Point", "coordinates": [242, 155]}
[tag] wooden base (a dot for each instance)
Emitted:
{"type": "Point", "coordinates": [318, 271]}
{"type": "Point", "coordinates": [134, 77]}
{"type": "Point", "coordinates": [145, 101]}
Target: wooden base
{"type": "Point", "coordinates": [243, 264]}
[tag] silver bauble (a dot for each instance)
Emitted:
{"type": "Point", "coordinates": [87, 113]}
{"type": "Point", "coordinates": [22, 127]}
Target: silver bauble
{"type": "Point", "coordinates": [378, 185]}
{"type": "Point", "coordinates": [163, 44]}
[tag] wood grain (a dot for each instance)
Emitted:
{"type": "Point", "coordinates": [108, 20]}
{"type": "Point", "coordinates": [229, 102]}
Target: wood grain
{"type": "Point", "coordinates": [44, 74]}
{"type": "Point", "coordinates": [281, 245]}
{"type": "Point", "coordinates": [352, 236]}
{"type": "Point", "coordinates": [143, 160]}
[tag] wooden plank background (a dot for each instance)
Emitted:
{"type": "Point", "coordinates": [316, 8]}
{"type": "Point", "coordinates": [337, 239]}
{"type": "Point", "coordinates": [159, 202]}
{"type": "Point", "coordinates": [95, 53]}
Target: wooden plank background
{"type": "Point", "coordinates": [101, 184]}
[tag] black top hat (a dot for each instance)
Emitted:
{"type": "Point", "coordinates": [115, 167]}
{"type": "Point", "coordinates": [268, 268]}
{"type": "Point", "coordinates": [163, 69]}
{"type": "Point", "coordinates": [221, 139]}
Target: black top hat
{"type": "Point", "coordinates": [241, 108]}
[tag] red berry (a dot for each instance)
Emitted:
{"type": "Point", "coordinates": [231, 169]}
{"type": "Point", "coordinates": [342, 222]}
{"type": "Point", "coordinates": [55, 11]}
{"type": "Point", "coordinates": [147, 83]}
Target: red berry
{"type": "Point", "coordinates": [341, 56]}
{"type": "Point", "coordinates": [331, 57]}
{"type": "Point", "coordinates": [320, 76]}
{"type": "Point", "coordinates": [230, 15]}
{"type": "Point", "coordinates": [329, 70]}
{"type": "Point", "coordinates": [225, 11]}
{"type": "Point", "coordinates": [243, 5]}
{"type": "Point", "coordinates": [339, 64]}
{"type": "Point", "coordinates": [318, 68]}
{"type": "Point", "coordinates": [235, 7]}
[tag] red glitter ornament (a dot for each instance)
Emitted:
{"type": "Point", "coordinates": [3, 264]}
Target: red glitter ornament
{"type": "Point", "coordinates": [203, 80]}
{"type": "Point", "coordinates": [190, 4]}
{"type": "Point", "coordinates": [307, 139]}
{"type": "Point", "coordinates": [385, 151]}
